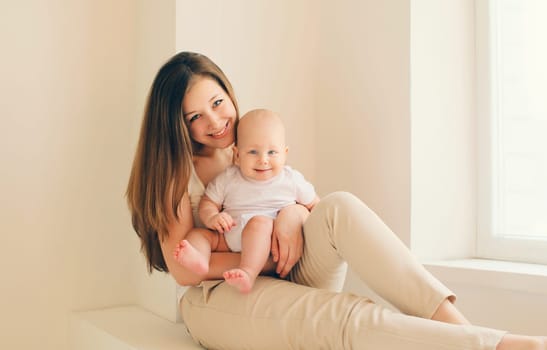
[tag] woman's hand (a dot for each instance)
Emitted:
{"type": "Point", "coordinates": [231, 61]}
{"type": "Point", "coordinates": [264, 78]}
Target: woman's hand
{"type": "Point", "coordinates": [287, 238]}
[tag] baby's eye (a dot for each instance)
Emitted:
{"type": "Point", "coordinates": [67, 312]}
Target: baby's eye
{"type": "Point", "coordinates": [217, 102]}
{"type": "Point", "coordinates": [272, 152]}
{"type": "Point", "coordinates": [194, 118]}
{"type": "Point", "coordinates": [253, 151]}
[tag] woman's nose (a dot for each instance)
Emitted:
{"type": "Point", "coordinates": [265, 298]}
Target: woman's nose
{"type": "Point", "coordinates": [214, 121]}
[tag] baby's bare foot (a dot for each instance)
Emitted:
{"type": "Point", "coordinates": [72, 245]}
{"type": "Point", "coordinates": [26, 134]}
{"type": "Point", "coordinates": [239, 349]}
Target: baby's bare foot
{"type": "Point", "coordinates": [240, 279]}
{"type": "Point", "coordinates": [191, 258]}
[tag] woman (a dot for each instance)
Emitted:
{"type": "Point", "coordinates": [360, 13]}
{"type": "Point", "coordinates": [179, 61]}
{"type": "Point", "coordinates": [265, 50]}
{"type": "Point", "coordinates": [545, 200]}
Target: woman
{"type": "Point", "coordinates": [185, 141]}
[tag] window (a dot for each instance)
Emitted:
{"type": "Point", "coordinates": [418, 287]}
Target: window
{"type": "Point", "coordinates": [512, 114]}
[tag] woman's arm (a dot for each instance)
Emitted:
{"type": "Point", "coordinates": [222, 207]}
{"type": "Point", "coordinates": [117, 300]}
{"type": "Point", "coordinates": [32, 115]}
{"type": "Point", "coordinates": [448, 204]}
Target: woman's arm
{"type": "Point", "coordinates": [177, 229]}
{"type": "Point", "coordinates": [219, 262]}
{"type": "Point", "coordinates": [287, 239]}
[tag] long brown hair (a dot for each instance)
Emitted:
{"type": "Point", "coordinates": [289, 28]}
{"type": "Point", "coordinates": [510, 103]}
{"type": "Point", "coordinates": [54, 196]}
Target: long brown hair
{"type": "Point", "coordinates": [163, 159]}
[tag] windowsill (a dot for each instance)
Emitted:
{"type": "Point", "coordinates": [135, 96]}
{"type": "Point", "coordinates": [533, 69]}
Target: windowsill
{"type": "Point", "coordinates": [521, 277]}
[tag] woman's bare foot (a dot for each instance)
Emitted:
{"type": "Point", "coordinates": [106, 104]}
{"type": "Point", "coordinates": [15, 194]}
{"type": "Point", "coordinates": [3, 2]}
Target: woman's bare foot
{"type": "Point", "coordinates": [542, 343]}
{"type": "Point", "coordinates": [240, 279]}
{"type": "Point", "coordinates": [521, 342]}
{"type": "Point", "coordinates": [191, 258]}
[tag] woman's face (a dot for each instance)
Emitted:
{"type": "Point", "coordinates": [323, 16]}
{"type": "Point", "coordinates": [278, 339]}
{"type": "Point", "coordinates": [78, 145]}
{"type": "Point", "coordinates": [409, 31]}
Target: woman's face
{"type": "Point", "coordinates": [209, 113]}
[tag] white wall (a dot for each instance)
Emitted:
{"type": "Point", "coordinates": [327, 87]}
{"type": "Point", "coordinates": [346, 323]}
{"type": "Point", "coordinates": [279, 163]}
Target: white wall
{"type": "Point", "coordinates": [156, 43]}
{"type": "Point", "coordinates": [443, 129]}
{"type": "Point", "coordinates": [363, 105]}
{"type": "Point", "coordinates": [67, 95]}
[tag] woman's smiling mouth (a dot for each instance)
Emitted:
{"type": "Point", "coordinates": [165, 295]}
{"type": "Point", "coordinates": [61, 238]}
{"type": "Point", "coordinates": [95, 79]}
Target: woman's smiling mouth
{"type": "Point", "coordinates": [221, 133]}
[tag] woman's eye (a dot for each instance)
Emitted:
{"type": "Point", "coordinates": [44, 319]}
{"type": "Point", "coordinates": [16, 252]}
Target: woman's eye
{"type": "Point", "coordinates": [217, 102]}
{"type": "Point", "coordinates": [193, 118]}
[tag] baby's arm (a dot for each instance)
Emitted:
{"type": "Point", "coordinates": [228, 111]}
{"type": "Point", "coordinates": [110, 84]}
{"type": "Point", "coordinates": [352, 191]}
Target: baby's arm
{"type": "Point", "coordinates": [212, 217]}
{"type": "Point", "coordinates": [312, 203]}
{"type": "Point", "coordinates": [304, 190]}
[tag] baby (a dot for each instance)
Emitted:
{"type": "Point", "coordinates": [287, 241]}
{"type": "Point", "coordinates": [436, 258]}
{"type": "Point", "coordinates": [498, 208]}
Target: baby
{"type": "Point", "coordinates": [242, 202]}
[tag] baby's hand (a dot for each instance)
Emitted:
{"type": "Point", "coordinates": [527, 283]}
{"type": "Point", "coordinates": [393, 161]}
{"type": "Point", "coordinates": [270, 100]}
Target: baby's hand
{"type": "Point", "coordinates": [220, 222]}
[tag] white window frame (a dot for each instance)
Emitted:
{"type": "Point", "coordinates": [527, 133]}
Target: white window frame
{"type": "Point", "coordinates": [489, 244]}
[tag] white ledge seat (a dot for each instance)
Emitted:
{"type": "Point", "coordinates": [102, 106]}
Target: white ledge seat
{"type": "Point", "coordinates": [127, 328]}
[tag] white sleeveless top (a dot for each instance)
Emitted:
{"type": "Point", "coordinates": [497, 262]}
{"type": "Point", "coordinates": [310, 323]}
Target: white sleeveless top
{"type": "Point", "coordinates": [195, 192]}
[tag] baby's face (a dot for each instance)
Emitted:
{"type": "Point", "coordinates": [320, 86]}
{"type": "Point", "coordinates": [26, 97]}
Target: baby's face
{"type": "Point", "coordinates": [261, 151]}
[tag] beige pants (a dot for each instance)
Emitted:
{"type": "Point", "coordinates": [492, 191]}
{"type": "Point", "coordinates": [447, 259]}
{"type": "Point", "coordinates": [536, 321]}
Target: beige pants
{"type": "Point", "coordinates": [312, 314]}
